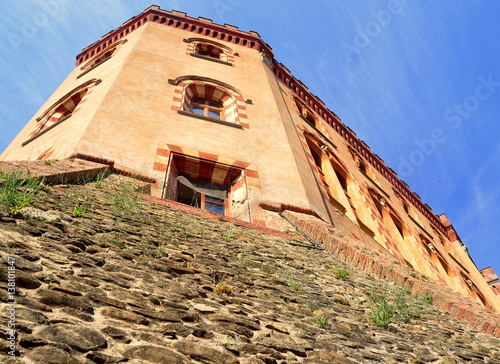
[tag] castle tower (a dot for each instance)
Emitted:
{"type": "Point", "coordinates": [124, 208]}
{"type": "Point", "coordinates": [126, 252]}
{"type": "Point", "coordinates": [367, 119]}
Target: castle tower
{"type": "Point", "coordinates": [208, 114]}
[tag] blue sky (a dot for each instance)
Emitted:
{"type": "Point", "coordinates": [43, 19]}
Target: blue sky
{"type": "Point", "coordinates": [419, 81]}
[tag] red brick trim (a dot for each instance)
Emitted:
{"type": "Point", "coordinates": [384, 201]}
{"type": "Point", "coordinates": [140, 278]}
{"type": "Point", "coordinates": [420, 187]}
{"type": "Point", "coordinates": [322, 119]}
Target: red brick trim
{"type": "Point", "coordinates": [166, 152]}
{"type": "Point", "coordinates": [175, 19]}
{"type": "Point", "coordinates": [61, 110]}
{"type": "Point", "coordinates": [46, 153]}
{"type": "Point", "coordinates": [194, 45]}
{"type": "Point", "coordinates": [479, 317]}
{"type": "Point", "coordinates": [256, 225]}
{"type": "Point", "coordinates": [300, 91]}
{"type": "Point", "coordinates": [115, 168]}
{"type": "Point", "coordinates": [190, 86]}
{"type": "Point", "coordinates": [90, 64]}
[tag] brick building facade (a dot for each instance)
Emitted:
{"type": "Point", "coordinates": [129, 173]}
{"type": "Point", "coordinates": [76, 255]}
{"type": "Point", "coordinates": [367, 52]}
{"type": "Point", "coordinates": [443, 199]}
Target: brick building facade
{"type": "Point", "coordinates": [206, 113]}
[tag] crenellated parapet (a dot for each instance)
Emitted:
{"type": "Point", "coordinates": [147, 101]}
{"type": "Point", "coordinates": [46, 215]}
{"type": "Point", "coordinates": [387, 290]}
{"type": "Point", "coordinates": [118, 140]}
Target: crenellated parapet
{"type": "Point", "coordinates": [176, 19]}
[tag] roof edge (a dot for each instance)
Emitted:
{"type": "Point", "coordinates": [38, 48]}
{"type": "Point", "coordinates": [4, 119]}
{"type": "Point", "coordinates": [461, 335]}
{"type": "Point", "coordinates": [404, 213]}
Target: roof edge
{"type": "Point", "coordinates": [177, 19]}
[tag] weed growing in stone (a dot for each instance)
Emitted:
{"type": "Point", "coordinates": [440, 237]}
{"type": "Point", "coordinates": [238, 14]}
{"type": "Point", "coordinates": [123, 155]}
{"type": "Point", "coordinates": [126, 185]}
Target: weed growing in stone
{"type": "Point", "coordinates": [48, 162]}
{"type": "Point", "coordinates": [383, 313]}
{"type": "Point", "coordinates": [17, 192]}
{"type": "Point", "coordinates": [229, 235]}
{"type": "Point", "coordinates": [81, 199]}
{"type": "Point", "coordinates": [393, 304]}
{"type": "Point", "coordinates": [78, 211]}
{"type": "Point", "coordinates": [426, 299]}
{"type": "Point", "coordinates": [340, 272]}
{"type": "Point", "coordinates": [322, 321]}
{"type": "Point", "coordinates": [99, 179]}
{"type": "Point", "coordinates": [223, 288]}
{"type": "Point", "coordinates": [163, 236]}
{"type": "Point", "coordinates": [159, 253]}
{"type": "Point", "coordinates": [124, 200]}
{"type": "Point", "coordinates": [405, 308]}
{"type": "Point", "coordinates": [295, 286]}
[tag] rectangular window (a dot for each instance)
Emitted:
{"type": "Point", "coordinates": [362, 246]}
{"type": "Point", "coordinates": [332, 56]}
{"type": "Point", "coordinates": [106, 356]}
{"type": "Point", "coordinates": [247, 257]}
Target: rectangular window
{"type": "Point", "coordinates": [214, 204]}
{"type": "Point", "coordinates": [204, 195]}
{"type": "Point", "coordinates": [207, 184]}
{"type": "Point", "coordinates": [207, 108]}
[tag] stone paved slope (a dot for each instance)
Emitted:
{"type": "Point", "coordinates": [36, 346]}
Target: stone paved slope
{"type": "Point", "coordinates": [132, 281]}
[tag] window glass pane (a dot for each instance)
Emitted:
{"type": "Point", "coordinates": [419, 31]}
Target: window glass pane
{"type": "Point", "coordinates": [198, 110]}
{"type": "Point", "coordinates": [218, 209]}
{"type": "Point", "coordinates": [213, 54]}
{"type": "Point", "coordinates": [214, 199]}
{"type": "Point", "coordinates": [214, 113]}
{"type": "Point", "coordinates": [214, 104]}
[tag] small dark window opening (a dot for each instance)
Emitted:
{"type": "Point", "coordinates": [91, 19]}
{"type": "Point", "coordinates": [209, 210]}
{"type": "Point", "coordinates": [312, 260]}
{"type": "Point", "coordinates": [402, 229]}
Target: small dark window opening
{"type": "Point", "coordinates": [209, 54]}
{"type": "Point", "coordinates": [317, 159]}
{"type": "Point", "coordinates": [398, 224]}
{"type": "Point", "coordinates": [341, 179]}
{"type": "Point", "coordinates": [310, 119]}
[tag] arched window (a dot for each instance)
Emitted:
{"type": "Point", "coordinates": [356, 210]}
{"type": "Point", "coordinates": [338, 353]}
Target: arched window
{"type": "Point", "coordinates": [307, 114]}
{"type": "Point", "coordinates": [331, 176]}
{"type": "Point", "coordinates": [409, 211]}
{"type": "Point", "coordinates": [62, 109]}
{"type": "Point", "coordinates": [390, 218]}
{"type": "Point", "coordinates": [62, 112]}
{"type": "Point", "coordinates": [436, 256]}
{"type": "Point", "coordinates": [209, 99]}
{"type": "Point", "coordinates": [367, 172]}
{"type": "Point", "coordinates": [210, 50]}
{"type": "Point", "coordinates": [338, 187]}
{"type": "Point", "coordinates": [101, 57]}
{"type": "Point", "coordinates": [474, 291]}
{"type": "Point", "coordinates": [365, 169]}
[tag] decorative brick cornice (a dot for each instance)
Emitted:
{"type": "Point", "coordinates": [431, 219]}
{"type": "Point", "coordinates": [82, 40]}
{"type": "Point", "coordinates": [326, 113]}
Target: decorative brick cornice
{"type": "Point", "coordinates": [313, 102]}
{"type": "Point", "coordinates": [214, 216]}
{"type": "Point", "coordinates": [176, 19]}
{"type": "Point", "coordinates": [113, 166]}
{"type": "Point", "coordinates": [58, 171]}
{"type": "Point", "coordinates": [480, 318]}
